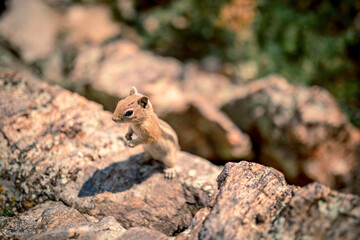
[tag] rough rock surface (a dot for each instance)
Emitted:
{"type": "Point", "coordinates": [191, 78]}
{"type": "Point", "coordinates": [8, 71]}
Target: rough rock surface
{"type": "Point", "coordinates": [299, 130]}
{"type": "Point", "coordinates": [59, 146]}
{"type": "Point", "coordinates": [54, 220]}
{"type": "Point", "coordinates": [318, 212]}
{"type": "Point", "coordinates": [255, 202]}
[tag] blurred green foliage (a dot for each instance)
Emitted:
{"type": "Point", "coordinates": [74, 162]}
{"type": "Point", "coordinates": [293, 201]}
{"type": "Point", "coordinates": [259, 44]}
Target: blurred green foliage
{"type": "Point", "coordinates": [185, 29]}
{"type": "Point", "coordinates": [312, 42]}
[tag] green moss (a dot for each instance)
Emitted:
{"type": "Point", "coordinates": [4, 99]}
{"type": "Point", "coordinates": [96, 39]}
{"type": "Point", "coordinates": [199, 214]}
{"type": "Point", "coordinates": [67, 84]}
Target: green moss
{"type": "Point", "coordinates": [6, 212]}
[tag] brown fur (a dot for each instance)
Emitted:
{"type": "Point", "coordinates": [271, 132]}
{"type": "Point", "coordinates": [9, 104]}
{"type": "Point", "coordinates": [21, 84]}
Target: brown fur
{"type": "Point", "coordinates": [159, 139]}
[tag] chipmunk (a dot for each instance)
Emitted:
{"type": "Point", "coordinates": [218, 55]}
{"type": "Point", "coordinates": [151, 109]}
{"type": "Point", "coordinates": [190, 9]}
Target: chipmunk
{"type": "Point", "coordinates": [159, 139]}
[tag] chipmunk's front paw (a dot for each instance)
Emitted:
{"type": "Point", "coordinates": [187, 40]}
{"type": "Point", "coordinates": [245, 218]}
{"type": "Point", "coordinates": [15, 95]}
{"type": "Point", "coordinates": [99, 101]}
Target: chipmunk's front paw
{"type": "Point", "coordinates": [169, 173]}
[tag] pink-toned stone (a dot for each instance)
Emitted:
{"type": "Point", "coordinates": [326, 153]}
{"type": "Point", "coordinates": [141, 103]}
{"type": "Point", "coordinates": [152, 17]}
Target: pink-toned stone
{"type": "Point", "coordinates": [255, 202]}
{"type": "Point", "coordinates": [89, 25]}
{"type": "Point", "coordinates": [62, 147]}
{"type": "Point", "coordinates": [31, 27]}
{"type": "Point", "coordinates": [299, 130]}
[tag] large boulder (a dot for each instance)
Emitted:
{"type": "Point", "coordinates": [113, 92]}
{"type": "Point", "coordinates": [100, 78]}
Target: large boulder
{"type": "Point", "coordinates": [255, 202]}
{"type": "Point", "coordinates": [57, 145]}
{"type": "Point", "coordinates": [299, 130]}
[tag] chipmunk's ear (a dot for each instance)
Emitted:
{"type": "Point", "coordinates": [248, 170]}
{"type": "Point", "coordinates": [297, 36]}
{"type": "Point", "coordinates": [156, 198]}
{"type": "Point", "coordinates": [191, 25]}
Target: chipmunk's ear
{"type": "Point", "coordinates": [143, 102]}
{"type": "Point", "coordinates": [133, 91]}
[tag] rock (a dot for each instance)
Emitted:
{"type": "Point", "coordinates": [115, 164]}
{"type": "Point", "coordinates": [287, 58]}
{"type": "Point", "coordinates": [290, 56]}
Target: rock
{"type": "Point", "coordinates": [31, 27]}
{"type": "Point", "coordinates": [196, 225]}
{"type": "Point", "coordinates": [299, 130]}
{"type": "Point", "coordinates": [47, 35]}
{"type": "Point", "coordinates": [206, 131]}
{"type": "Point", "coordinates": [255, 202]}
{"type": "Point", "coordinates": [8, 61]}
{"type": "Point", "coordinates": [107, 228]}
{"type": "Point", "coordinates": [54, 220]}
{"type": "Point", "coordinates": [8, 195]}
{"type": "Point", "coordinates": [61, 147]}
{"type": "Point", "coordinates": [138, 195]}
{"type": "Point", "coordinates": [117, 66]}
{"type": "Point", "coordinates": [89, 25]}
{"type": "Point", "coordinates": [44, 217]}
{"type": "Point", "coordinates": [216, 88]}
{"type": "Point", "coordinates": [142, 233]}
{"type": "Point", "coordinates": [318, 212]}
{"type": "Point", "coordinates": [246, 192]}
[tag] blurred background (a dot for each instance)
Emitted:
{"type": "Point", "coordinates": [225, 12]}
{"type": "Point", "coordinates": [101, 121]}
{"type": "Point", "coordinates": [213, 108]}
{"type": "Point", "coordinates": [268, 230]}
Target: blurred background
{"type": "Point", "coordinates": [309, 42]}
{"type": "Point", "coordinates": [193, 58]}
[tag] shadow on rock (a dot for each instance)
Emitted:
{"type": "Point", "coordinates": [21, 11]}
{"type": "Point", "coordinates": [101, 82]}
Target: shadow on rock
{"type": "Point", "coordinates": [120, 176]}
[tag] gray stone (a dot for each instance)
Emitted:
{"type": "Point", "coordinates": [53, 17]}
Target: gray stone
{"type": "Point", "coordinates": [255, 202]}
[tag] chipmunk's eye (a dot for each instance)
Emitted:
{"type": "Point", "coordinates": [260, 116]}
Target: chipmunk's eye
{"type": "Point", "coordinates": [128, 113]}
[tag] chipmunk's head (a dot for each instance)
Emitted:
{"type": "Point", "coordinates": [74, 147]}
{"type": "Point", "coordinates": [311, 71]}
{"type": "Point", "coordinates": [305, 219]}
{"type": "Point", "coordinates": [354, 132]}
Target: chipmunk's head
{"type": "Point", "coordinates": [132, 109]}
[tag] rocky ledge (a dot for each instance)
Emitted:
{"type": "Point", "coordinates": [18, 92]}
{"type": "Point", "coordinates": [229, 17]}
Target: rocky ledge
{"type": "Point", "coordinates": [66, 173]}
